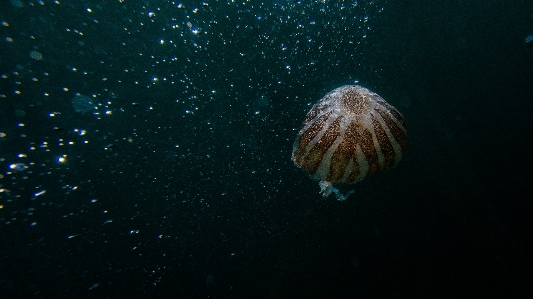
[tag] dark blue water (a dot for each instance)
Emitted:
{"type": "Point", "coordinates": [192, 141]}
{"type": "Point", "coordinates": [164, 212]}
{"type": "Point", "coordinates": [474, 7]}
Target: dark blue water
{"type": "Point", "coordinates": [179, 183]}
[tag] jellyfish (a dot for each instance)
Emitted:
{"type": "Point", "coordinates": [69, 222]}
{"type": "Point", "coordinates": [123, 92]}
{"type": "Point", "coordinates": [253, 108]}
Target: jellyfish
{"type": "Point", "coordinates": [82, 103]}
{"type": "Point", "coordinates": [349, 133]}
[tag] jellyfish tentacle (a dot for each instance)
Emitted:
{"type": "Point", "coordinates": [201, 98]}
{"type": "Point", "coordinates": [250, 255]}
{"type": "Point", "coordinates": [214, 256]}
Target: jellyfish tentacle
{"type": "Point", "coordinates": [326, 188]}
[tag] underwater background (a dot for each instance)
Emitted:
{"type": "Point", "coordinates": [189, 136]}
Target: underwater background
{"type": "Point", "coordinates": [145, 149]}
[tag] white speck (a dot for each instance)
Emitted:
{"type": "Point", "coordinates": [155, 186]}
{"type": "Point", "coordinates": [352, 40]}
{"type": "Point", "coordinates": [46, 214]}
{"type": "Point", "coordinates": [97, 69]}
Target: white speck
{"type": "Point", "coordinates": [40, 193]}
{"type": "Point", "coordinates": [18, 166]}
{"type": "Point", "coordinates": [62, 159]}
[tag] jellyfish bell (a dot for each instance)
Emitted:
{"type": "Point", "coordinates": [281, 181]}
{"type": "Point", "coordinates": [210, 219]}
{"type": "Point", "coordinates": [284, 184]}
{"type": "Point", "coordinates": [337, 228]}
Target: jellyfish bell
{"type": "Point", "coordinates": [349, 133]}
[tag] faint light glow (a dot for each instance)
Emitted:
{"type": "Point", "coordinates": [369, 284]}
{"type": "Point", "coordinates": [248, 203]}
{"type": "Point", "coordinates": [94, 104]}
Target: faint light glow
{"type": "Point", "coordinates": [22, 155]}
{"type": "Point", "coordinates": [162, 42]}
{"type": "Point", "coordinates": [20, 125]}
{"type": "Point", "coordinates": [89, 10]}
{"type": "Point", "coordinates": [529, 39]}
{"type": "Point", "coordinates": [151, 14]}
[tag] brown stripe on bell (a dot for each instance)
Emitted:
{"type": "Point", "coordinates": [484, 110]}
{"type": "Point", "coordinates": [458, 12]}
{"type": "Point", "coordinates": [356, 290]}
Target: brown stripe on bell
{"type": "Point", "coordinates": [349, 133]}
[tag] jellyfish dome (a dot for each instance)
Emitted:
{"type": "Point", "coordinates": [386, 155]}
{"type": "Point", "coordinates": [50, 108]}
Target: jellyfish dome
{"type": "Point", "coordinates": [350, 133]}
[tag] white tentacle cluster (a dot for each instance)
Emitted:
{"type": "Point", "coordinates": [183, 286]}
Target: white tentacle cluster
{"type": "Point", "coordinates": [326, 188]}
